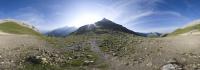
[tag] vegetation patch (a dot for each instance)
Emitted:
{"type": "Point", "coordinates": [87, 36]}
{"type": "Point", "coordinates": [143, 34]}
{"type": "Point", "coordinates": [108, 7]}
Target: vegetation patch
{"type": "Point", "coordinates": [13, 27]}
{"type": "Point", "coordinates": [187, 29]}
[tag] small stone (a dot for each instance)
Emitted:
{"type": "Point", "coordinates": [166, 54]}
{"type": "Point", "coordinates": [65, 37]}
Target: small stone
{"type": "Point", "coordinates": [69, 58]}
{"type": "Point", "coordinates": [183, 59]}
{"type": "Point", "coordinates": [87, 61]}
{"type": "Point", "coordinates": [89, 56]}
{"type": "Point", "coordinates": [91, 61]}
{"type": "Point", "coordinates": [37, 57]}
{"type": "Point", "coordinates": [114, 54]}
{"type": "Point", "coordinates": [44, 60]}
{"type": "Point", "coordinates": [127, 64]}
{"type": "Point", "coordinates": [149, 64]}
{"type": "Point", "coordinates": [11, 61]}
{"type": "Point", "coordinates": [2, 62]}
{"type": "Point", "coordinates": [173, 60]}
{"type": "Point", "coordinates": [198, 64]}
{"type": "Point", "coordinates": [56, 55]}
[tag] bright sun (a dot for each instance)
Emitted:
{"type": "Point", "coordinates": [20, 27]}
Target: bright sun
{"type": "Point", "coordinates": [85, 19]}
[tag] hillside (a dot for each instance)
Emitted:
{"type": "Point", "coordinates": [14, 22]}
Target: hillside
{"type": "Point", "coordinates": [190, 29]}
{"type": "Point", "coordinates": [16, 28]}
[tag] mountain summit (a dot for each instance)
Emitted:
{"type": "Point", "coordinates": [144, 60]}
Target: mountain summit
{"type": "Point", "coordinates": [103, 26]}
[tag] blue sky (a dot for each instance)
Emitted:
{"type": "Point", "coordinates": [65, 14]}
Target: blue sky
{"type": "Point", "coordinates": [137, 15]}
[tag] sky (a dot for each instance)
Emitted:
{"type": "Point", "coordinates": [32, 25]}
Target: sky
{"type": "Point", "coordinates": [137, 15]}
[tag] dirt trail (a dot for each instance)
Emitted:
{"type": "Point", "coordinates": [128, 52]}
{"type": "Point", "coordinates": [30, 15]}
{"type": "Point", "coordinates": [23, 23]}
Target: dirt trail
{"type": "Point", "coordinates": [109, 59]}
{"type": "Point", "coordinates": [97, 50]}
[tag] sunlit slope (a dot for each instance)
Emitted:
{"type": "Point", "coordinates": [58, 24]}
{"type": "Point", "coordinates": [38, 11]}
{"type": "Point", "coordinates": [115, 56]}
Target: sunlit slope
{"type": "Point", "coordinates": [188, 30]}
{"type": "Point", "coordinates": [15, 28]}
{"type": "Point", "coordinates": [102, 27]}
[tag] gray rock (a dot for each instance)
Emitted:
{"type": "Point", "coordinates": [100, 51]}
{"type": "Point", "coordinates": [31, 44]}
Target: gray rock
{"type": "Point", "coordinates": [37, 59]}
{"type": "Point", "coordinates": [172, 64]}
{"type": "Point", "coordinates": [114, 54]}
{"type": "Point", "coordinates": [171, 67]}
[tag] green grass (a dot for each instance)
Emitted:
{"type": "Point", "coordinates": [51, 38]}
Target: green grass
{"type": "Point", "coordinates": [14, 28]}
{"type": "Point", "coordinates": [187, 29]}
{"type": "Point", "coordinates": [29, 66]}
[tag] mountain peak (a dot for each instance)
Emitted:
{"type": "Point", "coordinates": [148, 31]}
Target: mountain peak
{"type": "Point", "coordinates": [105, 19]}
{"type": "Point", "coordinates": [103, 26]}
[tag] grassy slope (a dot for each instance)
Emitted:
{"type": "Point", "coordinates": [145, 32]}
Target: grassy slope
{"type": "Point", "coordinates": [13, 27]}
{"type": "Point", "coordinates": [187, 29]}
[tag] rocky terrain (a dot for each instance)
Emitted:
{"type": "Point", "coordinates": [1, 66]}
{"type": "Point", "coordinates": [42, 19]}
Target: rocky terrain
{"type": "Point", "coordinates": [97, 48]}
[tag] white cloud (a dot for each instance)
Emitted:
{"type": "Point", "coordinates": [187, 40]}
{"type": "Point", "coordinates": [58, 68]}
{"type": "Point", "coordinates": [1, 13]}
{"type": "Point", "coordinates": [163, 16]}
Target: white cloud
{"type": "Point", "coordinates": [131, 10]}
{"type": "Point", "coordinates": [124, 12]}
{"type": "Point", "coordinates": [134, 18]}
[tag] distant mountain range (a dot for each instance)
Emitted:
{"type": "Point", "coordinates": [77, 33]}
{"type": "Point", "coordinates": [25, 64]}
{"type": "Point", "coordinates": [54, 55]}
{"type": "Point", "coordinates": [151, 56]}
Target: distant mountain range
{"type": "Point", "coordinates": [61, 32]}
{"type": "Point", "coordinates": [100, 27]}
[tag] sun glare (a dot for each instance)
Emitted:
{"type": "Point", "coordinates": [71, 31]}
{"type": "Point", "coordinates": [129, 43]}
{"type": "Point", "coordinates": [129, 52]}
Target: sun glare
{"type": "Point", "coordinates": [86, 19]}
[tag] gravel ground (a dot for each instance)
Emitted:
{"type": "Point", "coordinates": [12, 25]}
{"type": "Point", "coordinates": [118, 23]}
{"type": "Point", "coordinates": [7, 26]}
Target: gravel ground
{"type": "Point", "coordinates": [12, 47]}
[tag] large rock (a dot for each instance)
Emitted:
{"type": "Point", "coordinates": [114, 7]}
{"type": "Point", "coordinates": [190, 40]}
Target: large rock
{"type": "Point", "coordinates": [172, 64]}
{"type": "Point", "coordinates": [37, 59]}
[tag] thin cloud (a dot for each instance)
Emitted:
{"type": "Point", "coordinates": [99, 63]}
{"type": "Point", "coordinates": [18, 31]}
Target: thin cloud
{"type": "Point", "coordinates": [133, 19]}
{"type": "Point", "coordinates": [138, 9]}
{"type": "Point", "coordinates": [136, 17]}
{"type": "Point", "coordinates": [31, 16]}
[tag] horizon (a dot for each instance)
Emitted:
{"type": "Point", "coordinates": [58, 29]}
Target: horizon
{"type": "Point", "coordinates": [137, 15]}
